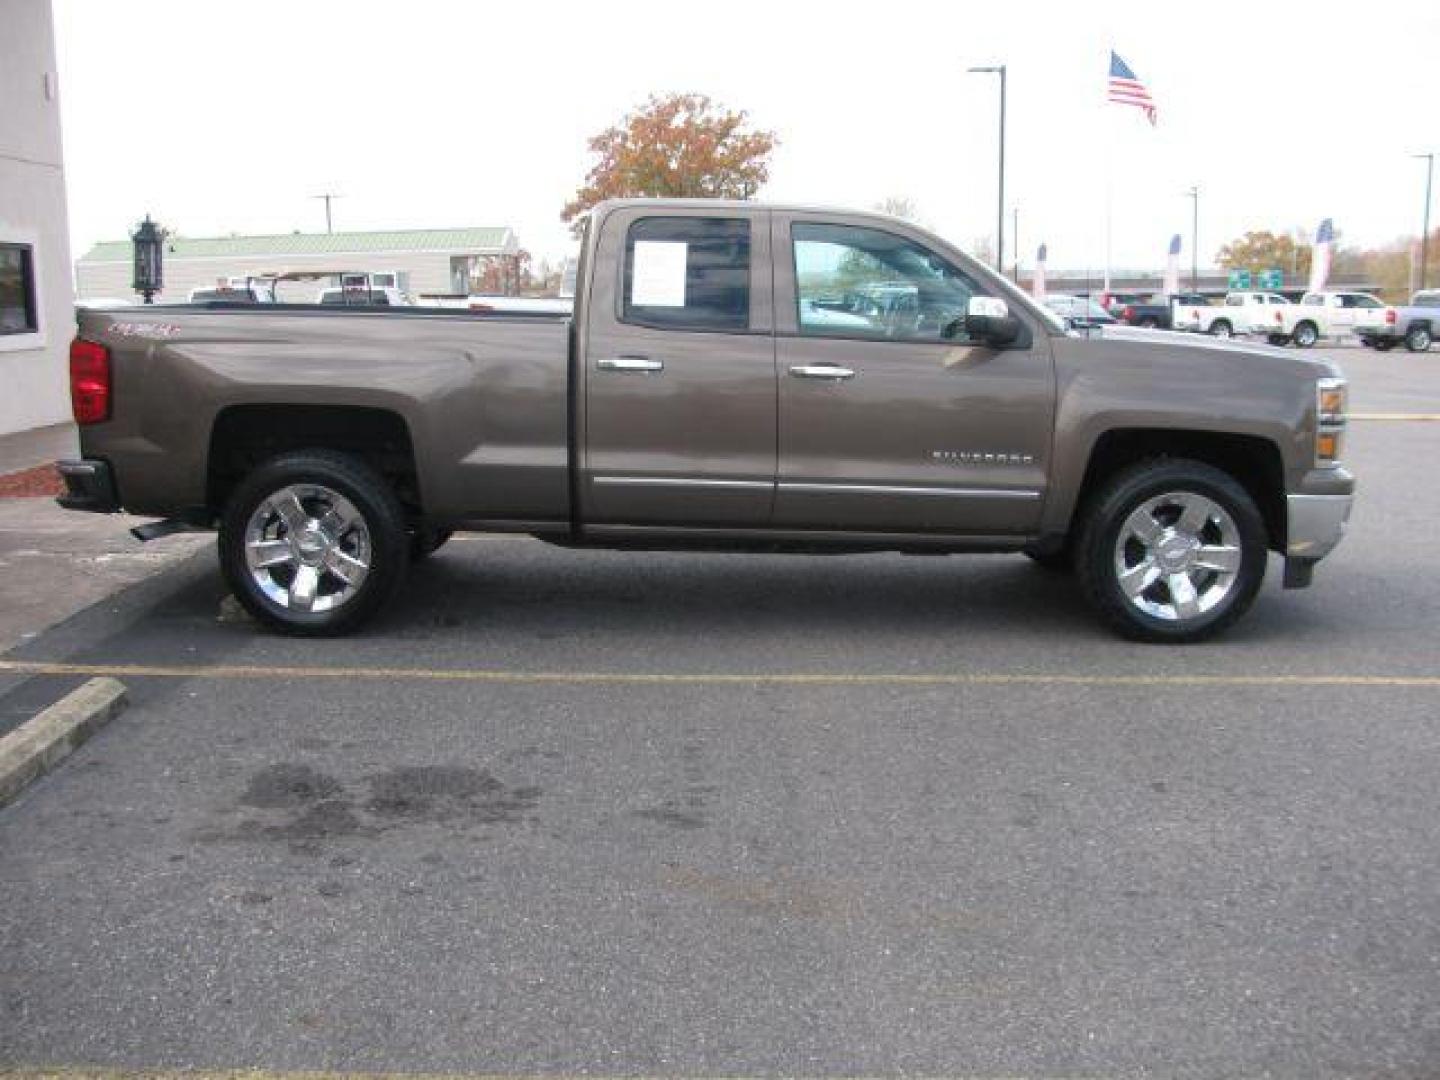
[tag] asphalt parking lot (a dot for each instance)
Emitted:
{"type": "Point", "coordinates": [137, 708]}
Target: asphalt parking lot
{"type": "Point", "coordinates": [585, 812]}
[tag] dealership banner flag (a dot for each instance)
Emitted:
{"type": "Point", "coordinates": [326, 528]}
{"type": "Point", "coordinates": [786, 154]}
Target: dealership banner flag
{"type": "Point", "coordinates": [1172, 267]}
{"type": "Point", "coordinates": [1320, 256]}
{"type": "Point", "coordinates": [1037, 287]}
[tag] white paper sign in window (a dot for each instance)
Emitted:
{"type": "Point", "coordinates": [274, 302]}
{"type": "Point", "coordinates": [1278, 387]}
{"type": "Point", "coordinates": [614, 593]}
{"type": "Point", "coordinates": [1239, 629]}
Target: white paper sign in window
{"type": "Point", "coordinates": [657, 277]}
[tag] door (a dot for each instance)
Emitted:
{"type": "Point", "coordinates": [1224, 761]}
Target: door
{"type": "Point", "coordinates": [679, 371]}
{"type": "Point", "coordinates": [890, 418]}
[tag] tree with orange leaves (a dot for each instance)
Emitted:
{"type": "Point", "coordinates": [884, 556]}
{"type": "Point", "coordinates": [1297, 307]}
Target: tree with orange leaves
{"type": "Point", "coordinates": [679, 146]}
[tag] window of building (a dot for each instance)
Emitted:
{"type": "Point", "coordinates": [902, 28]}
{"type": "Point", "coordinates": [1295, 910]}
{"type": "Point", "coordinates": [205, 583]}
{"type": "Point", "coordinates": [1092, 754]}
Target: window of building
{"type": "Point", "coordinates": [18, 312]}
{"type": "Point", "coordinates": [856, 282]}
{"type": "Point", "coordinates": [687, 273]}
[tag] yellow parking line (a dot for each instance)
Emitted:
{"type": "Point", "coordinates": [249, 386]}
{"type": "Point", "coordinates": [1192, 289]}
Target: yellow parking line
{"type": "Point", "coordinates": [1414, 416]}
{"type": "Point", "coordinates": [698, 678]}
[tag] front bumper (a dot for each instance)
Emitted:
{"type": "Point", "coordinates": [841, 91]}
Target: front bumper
{"type": "Point", "coordinates": [89, 485]}
{"type": "Point", "coordinates": [1315, 524]}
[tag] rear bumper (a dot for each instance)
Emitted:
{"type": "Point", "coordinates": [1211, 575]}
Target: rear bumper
{"type": "Point", "coordinates": [89, 485]}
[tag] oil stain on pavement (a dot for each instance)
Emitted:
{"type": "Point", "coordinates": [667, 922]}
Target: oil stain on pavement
{"type": "Point", "coordinates": [299, 804]}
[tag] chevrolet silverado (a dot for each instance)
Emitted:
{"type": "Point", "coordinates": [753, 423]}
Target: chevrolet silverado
{"type": "Point", "coordinates": [733, 376]}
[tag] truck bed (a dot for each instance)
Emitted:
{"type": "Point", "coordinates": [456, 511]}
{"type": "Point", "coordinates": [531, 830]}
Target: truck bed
{"type": "Point", "coordinates": [483, 397]}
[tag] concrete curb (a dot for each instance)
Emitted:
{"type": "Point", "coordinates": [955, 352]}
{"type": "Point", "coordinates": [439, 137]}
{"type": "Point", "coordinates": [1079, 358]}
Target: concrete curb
{"type": "Point", "coordinates": [49, 737]}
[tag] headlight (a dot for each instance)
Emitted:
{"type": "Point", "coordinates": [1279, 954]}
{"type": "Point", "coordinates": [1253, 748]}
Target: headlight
{"type": "Point", "coordinates": [1331, 401]}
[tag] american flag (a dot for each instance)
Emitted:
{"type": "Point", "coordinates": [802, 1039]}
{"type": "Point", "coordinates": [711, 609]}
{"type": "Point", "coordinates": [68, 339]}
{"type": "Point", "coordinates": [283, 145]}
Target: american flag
{"type": "Point", "coordinates": [1126, 89]}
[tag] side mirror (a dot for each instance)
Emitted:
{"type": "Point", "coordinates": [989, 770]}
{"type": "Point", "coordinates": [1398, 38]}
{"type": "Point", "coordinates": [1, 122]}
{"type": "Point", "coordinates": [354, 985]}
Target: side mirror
{"type": "Point", "coordinates": [988, 321]}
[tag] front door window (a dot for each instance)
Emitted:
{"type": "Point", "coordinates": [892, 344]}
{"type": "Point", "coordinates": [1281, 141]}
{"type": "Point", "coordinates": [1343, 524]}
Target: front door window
{"type": "Point", "coordinates": [865, 283]}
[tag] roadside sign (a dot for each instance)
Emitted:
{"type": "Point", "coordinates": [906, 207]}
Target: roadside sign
{"type": "Point", "coordinates": [1271, 279]}
{"type": "Point", "coordinates": [1239, 279]}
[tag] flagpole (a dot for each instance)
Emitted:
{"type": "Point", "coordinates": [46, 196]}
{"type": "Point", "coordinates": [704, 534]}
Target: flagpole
{"type": "Point", "coordinates": [1109, 181]}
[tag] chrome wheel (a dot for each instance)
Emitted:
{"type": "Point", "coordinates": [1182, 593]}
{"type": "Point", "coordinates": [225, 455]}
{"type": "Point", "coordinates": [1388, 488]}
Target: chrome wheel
{"type": "Point", "coordinates": [1306, 335]}
{"type": "Point", "coordinates": [1177, 556]}
{"type": "Point", "coordinates": [308, 548]}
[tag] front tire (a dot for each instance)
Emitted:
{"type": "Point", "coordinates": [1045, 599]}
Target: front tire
{"type": "Point", "coordinates": [1418, 339]}
{"type": "Point", "coordinates": [313, 543]}
{"type": "Point", "coordinates": [1172, 551]}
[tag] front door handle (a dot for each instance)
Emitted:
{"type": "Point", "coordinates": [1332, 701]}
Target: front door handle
{"type": "Point", "coordinates": [834, 372]}
{"type": "Point", "coordinates": [635, 365]}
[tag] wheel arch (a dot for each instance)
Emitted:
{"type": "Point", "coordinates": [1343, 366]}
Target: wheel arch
{"type": "Point", "coordinates": [1254, 461]}
{"type": "Point", "coordinates": [242, 436]}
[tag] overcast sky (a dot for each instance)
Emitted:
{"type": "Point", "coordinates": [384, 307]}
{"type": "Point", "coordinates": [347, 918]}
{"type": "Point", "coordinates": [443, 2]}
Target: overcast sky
{"type": "Point", "coordinates": [220, 118]}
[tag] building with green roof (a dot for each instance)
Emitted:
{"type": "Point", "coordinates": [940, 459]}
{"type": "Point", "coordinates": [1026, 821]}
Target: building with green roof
{"type": "Point", "coordinates": [422, 261]}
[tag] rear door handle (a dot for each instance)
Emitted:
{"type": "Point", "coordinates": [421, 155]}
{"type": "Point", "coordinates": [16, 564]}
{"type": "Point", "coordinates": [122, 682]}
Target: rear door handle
{"type": "Point", "coordinates": [834, 372]}
{"type": "Point", "coordinates": [634, 365]}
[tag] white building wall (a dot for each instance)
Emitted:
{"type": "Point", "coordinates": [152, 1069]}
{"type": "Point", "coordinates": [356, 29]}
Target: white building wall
{"type": "Point", "coordinates": [34, 379]}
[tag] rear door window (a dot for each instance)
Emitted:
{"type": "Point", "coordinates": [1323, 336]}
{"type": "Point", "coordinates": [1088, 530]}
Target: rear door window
{"type": "Point", "coordinates": [688, 273]}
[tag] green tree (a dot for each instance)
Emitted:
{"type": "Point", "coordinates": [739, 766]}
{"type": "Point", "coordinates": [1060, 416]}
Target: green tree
{"type": "Point", "coordinates": [677, 146]}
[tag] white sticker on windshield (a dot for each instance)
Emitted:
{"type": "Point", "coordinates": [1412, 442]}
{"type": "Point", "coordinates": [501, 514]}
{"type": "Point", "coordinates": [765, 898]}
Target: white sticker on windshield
{"type": "Point", "coordinates": [658, 273]}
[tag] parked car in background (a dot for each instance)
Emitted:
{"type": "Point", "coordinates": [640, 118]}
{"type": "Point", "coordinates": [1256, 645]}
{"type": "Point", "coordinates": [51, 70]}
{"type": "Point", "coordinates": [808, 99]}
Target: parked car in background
{"type": "Point", "coordinates": [1241, 313]}
{"type": "Point", "coordinates": [363, 296]}
{"type": "Point", "coordinates": [1079, 311]}
{"type": "Point", "coordinates": [1114, 301]}
{"type": "Point", "coordinates": [252, 293]}
{"type": "Point", "coordinates": [1416, 324]}
{"type": "Point", "coordinates": [1325, 314]}
{"type": "Point", "coordinates": [1158, 312]}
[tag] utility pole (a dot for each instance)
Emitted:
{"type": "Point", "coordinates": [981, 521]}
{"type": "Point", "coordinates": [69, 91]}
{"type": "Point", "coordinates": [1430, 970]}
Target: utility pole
{"type": "Point", "coordinates": [999, 69]}
{"type": "Point", "coordinates": [327, 197]}
{"type": "Point", "coordinates": [1194, 194]}
{"type": "Point", "coordinates": [1425, 228]}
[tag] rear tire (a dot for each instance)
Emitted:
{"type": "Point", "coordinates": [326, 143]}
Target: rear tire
{"type": "Point", "coordinates": [1418, 339]}
{"type": "Point", "coordinates": [1171, 551]}
{"type": "Point", "coordinates": [313, 543]}
{"type": "Point", "coordinates": [1221, 328]}
{"type": "Point", "coordinates": [1305, 336]}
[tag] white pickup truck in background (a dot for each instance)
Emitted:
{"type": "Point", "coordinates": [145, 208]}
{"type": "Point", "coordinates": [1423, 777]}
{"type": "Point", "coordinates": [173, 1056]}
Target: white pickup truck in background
{"type": "Point", "coordinates": [1327, 314]}
{"type": "Point", "coordinates": [1241, 313]}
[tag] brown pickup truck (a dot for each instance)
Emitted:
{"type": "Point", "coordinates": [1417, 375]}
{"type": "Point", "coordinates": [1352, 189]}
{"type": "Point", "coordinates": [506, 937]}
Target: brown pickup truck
{"type": "Point", "coordinates": [734, 376]}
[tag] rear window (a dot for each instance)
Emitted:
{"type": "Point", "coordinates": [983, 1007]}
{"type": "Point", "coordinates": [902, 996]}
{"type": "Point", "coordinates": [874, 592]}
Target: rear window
{"type": "Point", "coordinates": [1427, 299]}
{"type": "Point", "coordinates": [686, 273]}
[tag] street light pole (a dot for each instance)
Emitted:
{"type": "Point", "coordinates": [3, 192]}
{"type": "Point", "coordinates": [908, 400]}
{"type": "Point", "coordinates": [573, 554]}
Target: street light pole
{"type": "Point", "coordinates": [1194, 194]}
{"type": "Point", "coordinates": [1015, 245]}
{"type": "Point", "coordinates": [1425, 229]}
{"type": "Point", "coordinates": [999, 69]}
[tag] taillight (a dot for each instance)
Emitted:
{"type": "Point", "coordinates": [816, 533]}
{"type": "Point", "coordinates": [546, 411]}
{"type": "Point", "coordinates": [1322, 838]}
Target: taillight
{"type": "Point", "coordinates": [1390, 316]}
{"type": "Point", "coordinates": [89, 381]}
{"type": "Point", "coordinates": [1127, 313]}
